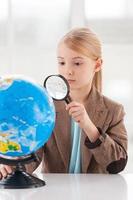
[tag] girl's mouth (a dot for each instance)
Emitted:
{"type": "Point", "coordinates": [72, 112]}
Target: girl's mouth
{"type": "Point", "coordinates": [70, 81]}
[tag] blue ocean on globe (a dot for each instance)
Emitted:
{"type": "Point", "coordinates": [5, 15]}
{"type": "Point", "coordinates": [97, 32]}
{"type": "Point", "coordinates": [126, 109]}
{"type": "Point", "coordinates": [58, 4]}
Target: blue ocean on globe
{"type": "Point", "coordinates": [27, 116]}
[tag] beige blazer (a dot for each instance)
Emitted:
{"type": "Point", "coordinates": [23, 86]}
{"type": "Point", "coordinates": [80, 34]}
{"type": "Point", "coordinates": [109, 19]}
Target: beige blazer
{"type": "Point", "coordinates": [108, 157]}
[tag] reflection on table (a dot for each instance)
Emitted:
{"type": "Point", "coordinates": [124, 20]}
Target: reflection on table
{"type": "Point", "coordinates": [76, 187]}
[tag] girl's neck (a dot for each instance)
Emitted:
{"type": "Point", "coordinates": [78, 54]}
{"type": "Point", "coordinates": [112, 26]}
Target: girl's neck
{"type": "Point", "coordinates": [80, 95]}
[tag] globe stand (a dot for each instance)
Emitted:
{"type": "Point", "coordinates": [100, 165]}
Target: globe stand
{"type": "Point", "coordinates": [20, 178]}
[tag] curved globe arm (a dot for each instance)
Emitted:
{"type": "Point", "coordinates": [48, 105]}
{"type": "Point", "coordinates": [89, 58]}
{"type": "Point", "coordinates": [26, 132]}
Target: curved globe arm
{"type": "Point", "coordinates": [32, 166]}
{"type": "Point", "coordinates": [27, 159]}
{"type": "Point", "coordinates": [30, 162]}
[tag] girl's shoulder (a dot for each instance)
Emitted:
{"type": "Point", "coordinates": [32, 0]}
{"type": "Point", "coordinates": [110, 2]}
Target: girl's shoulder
{"type": "Point", "coordinates": [110, 102]}
{"type": "Point", "coordinates": [112, 105]}
{"type": "Point", "coordinates": [105, 102]}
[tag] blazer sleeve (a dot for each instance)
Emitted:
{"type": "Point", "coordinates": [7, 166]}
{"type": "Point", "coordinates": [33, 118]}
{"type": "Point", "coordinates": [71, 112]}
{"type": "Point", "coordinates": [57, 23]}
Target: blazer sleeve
{"type": "Point", "coordinates": [110, 149]}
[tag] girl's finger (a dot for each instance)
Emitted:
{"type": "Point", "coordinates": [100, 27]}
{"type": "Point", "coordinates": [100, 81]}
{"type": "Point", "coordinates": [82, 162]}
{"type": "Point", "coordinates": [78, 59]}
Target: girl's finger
{"type": "Point", "coordinates": [76, 114]}
{"type": "Point", "coordinates": [9, 169]}
{"type": "Point", "coordinates": [3, 172]}
{"type": "Point", "coordinates": [72, 104]}
{"type": "Point", "coordinates": [73, 110]}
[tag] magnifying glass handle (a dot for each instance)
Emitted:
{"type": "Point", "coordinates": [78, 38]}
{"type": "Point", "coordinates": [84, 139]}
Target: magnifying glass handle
{"type": "Point", "coordinates": [68, 99]}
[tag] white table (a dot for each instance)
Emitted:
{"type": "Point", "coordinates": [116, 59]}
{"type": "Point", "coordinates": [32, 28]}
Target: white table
{"type": "Point", "coordinates": [76, 187]}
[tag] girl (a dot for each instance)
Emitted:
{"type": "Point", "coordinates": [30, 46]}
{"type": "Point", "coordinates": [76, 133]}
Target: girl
{"type": "Point", "coordinates": [89, 135]}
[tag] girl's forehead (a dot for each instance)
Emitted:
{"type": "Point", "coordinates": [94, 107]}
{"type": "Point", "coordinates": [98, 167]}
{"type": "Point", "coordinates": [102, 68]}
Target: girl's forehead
{"type": "Point", "coordinates": [64, 50]}
{"type": "Point", "coordinates": [70, 54]}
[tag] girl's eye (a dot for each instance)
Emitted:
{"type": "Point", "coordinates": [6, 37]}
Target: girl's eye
{"type": "Point", "coordinates": [78, 63]}
{"type": "Point", "coordinates": [61, 63]}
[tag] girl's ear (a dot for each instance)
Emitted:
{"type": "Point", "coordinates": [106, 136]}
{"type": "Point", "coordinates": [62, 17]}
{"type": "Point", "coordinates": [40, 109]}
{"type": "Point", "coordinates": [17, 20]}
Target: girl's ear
{"type": "Point", "coordinates": [98, 64]}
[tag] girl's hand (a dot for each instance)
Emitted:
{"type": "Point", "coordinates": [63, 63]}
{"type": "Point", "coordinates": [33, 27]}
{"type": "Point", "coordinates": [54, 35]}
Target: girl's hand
{"type": "Point", "coordinates": [78, 112]}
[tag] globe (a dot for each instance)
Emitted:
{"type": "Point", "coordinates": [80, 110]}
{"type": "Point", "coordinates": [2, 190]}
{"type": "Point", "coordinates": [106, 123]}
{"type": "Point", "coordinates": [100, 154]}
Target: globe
{"type": "Point", "coordinates": [27, 116]}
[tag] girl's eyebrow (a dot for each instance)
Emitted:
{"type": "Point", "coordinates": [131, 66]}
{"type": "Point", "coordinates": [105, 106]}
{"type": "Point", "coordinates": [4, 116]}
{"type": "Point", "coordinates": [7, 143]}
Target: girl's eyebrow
{"type": "Point", "coordinates": [78, 57]}
{"type": "Point", "coordinates": [60, 57]}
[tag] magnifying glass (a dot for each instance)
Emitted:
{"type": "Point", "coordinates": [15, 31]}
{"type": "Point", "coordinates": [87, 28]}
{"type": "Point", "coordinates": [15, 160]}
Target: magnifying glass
{"type": "Point", "coordinates": [58, 88]}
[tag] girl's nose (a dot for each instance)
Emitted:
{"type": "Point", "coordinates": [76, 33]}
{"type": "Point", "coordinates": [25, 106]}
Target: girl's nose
{"type": "Point", "coordinates": [69, 71]}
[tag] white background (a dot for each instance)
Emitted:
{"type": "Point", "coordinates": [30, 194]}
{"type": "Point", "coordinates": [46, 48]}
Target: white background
{"type": "Point", "coordinates": [31, 29]}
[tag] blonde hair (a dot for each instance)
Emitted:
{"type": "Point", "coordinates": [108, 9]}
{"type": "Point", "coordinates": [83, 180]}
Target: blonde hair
{"type": "Point", "coordinates": [86, 42]}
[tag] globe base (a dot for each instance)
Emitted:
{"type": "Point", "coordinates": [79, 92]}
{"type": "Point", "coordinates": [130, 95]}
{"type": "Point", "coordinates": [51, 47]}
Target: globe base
{"type": "Point", "coordinates": [21, 180]}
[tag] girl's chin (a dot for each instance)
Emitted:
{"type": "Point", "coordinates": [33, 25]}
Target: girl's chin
{"type": "Point", "coordinates": [72, 87]}
{"type": "Point", "coordinates": [79, 87]}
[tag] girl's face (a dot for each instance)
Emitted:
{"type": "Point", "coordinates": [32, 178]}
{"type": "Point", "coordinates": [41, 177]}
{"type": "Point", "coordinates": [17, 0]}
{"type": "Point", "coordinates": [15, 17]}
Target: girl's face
{"type": "Point", "coordinates": [78, 69]}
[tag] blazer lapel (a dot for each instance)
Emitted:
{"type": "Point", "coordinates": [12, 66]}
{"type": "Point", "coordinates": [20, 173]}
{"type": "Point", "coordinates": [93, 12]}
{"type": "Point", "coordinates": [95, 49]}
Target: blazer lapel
{"type": "Point", "coordinates": [62, 132]}
{"type": "Point", "coordinates": [97, 112]}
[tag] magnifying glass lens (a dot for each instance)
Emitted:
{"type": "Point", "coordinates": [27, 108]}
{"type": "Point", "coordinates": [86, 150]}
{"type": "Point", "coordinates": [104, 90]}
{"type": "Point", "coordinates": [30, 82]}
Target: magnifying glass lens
{"type": "Point", "coordinates": [57, 87]}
